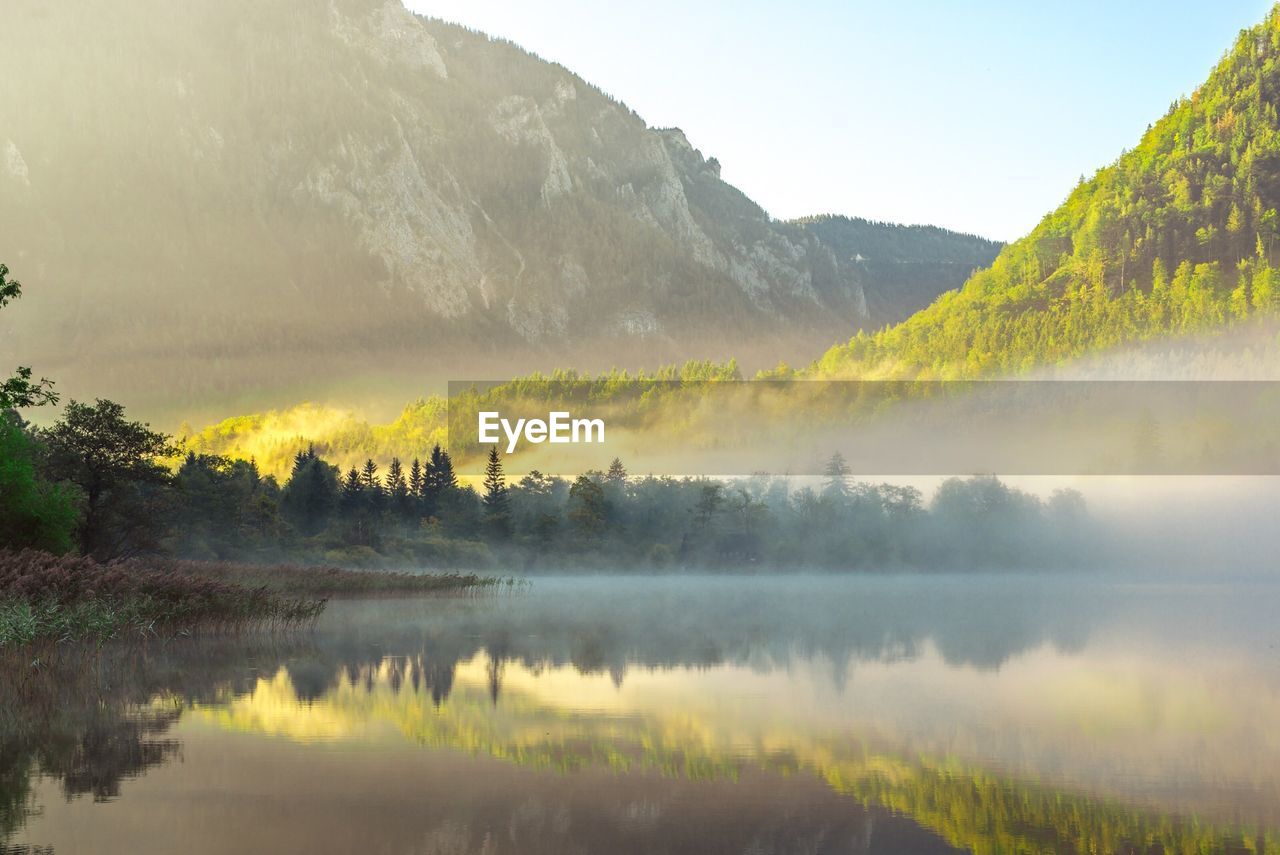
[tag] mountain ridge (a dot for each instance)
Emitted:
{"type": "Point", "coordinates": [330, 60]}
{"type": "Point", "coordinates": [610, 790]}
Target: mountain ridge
{"type": "Point", "coordinates": [231, 204]}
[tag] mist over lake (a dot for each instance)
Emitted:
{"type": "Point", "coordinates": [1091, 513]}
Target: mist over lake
{"type": "Point", "coordinates": [689, 715]}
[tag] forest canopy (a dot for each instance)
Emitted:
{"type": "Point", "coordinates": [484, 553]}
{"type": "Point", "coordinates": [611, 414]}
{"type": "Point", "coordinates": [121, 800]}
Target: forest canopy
{"type": "Point", "coordinates": [1178, 236]}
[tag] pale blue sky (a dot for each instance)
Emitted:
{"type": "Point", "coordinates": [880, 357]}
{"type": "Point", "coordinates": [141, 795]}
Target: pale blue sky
{"type": "Point", "coordinates": [977, 116]}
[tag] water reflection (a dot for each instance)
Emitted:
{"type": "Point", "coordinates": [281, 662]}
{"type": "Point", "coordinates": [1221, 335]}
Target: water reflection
{"type": "Point", "coordinates": [872, 715]}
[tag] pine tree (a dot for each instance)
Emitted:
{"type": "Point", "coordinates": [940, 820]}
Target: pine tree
{"type": "Point", "coordinates": [445, 478]}
{"type": "Point", "coordinates": [437, 479]}
{"type": "Point", "coordinates": [311, 494]}
{"type": "Point", "coordinates": [352, 491]}
{"type": "Point", "coordinates": [837, 475]}
{"type": "Point", "coordinates": [438, 475]}
{"type": "Point", "coordinates": [398, 491]}
{"type": "Point", "coordinates": [617, 474]}
{"type": "Point", "coordinates": [497, 498]}
{"type": "Point", "coordinates": [416, 480]}
{"type": "Point", "coordinates": [301, 459]}
{"type": "Point", "coordinates": [369, 476]}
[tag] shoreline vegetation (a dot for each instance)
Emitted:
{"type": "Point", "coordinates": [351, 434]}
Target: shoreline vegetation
{"type": "Point", "coordinates": [98, 484]}
{"type": "Point", "coordinates": [46, 598]}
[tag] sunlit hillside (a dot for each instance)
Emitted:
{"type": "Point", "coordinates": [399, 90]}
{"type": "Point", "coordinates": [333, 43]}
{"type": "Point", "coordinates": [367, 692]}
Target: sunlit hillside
{"type": "Point", "coordinates": [1177, 236]}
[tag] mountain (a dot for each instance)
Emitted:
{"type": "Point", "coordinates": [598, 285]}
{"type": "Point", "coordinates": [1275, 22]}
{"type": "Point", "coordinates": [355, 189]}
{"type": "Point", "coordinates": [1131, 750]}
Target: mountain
{"type": "Point", "coordinates": [1177, 237]}
{"type": "Point", "coordinates": [221, 203]}
{"type": "Point", "coordinates": [902, 268]}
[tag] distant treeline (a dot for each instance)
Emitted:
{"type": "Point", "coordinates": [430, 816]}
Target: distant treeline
{"type": "Point", "coordinates": [102, 485]}
{"type": "Point", "coordinates": [874, 240]}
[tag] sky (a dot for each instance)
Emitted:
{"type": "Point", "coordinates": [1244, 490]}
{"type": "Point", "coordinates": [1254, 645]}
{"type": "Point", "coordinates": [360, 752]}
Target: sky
{"type": "Point", "coordinates": [975, 116]}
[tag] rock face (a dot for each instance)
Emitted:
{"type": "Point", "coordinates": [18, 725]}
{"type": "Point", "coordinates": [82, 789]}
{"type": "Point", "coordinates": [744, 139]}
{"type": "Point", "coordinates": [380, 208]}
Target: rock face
{"type": "Point", "coordinates": [231, 199]}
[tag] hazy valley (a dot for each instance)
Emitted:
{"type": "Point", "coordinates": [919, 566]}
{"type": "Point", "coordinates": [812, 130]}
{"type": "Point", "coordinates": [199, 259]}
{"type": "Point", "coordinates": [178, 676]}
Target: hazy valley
{"type": "Point", "coordinates": [236, 205]}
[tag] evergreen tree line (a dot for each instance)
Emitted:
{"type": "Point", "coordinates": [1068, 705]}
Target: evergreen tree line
{"type": "Point", "coordinates": [100, 484]}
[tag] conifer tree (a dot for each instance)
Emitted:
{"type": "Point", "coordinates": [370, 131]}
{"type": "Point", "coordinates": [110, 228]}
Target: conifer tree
{"type": "Point", "coordinates": [437, 479]}
{"type": "Point", "coordinates": [837, 475]}
{"type": "Point", "coordinates": [369, 476]}
{"type": "Point", "coordinates": [311, 493]}
{"type": "Point", "coordinates": [617, 474]}
{"type": "Point", "coordinates": [398, 490]}
{"type": "Point", "coordinates": [497, 498]}
{"type": "Point", "coordinates": [416, 480]}
{"type": "Point", "coordinates": [352, 491]}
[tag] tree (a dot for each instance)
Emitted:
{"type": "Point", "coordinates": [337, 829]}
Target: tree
{"type": "Point", "coordinates": [33, 513]}
{"type": "Point", "coordinates": [441, 469]}
{"type": "Point", "coordinates": [398, 491]}
{"type": "Point", "coordinates": [375, 494]}
{"type": "Point", "coordinates": [536, 504]}
{"type": "Point", "coordinates": [497, 498]}
{"type": "Point", "coordinates": [357, 503]}
{"type": "Point", "coordinates": [223, 508]}
{"type": "Point", "coordinates": [20, 390]}
{"type": "Point", "coordinates": [114, 462]}
{"type": "Point", "coordinates": [710, 500]}
{"type": "Point", "coordinates": [617, 474]}
{"type": "Point", "coordinates": [837, 475]}
{"type": "Point", "coordinates": [417, 479]}
{"type": "Point", "coordinates": [438, 480]}
{"type": "Point", "coordinates": [351, 492]}
{"type": "Point", "coordinates": [587, 509]}
{"type": "Point", "coordinates": [311, 494]}
{"type": "Point", "coordinates": [369, 476]}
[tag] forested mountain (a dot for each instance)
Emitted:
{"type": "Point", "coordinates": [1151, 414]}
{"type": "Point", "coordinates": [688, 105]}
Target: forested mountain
{"type": "Point", "coordinates": [903, 268]}
{"type": "Point", "coordinates": [213, 196]}
{"type": "Point", "coordinates": [1178, 236]}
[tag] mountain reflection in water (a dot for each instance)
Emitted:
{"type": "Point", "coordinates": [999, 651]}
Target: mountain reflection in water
{"type": "Point", "coordinates": [801, 714]}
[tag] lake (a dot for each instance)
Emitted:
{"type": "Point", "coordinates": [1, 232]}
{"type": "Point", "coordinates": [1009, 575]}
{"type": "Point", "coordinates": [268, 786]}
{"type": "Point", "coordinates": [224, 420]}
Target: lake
{"type": "Point", "coordinates": [885, 714]}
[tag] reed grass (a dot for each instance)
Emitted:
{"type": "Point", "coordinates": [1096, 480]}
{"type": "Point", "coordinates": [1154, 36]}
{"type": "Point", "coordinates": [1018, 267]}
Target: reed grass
{"type": "Point", "coordinates": [327, 581]}
{"type": "Point", "coordinates": [61, 598]}
{"type": "Point", "coordinates": [45, 597]}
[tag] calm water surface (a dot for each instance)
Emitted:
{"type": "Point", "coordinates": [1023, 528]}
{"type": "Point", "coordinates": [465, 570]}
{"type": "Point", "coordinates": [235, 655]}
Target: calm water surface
{"type": "Point", "coordinates": [763, 715]}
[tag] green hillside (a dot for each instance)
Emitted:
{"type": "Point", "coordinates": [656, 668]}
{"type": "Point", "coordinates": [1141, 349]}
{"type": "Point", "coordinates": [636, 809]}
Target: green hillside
{"type": "Point", "coordinates": [1178, 236]}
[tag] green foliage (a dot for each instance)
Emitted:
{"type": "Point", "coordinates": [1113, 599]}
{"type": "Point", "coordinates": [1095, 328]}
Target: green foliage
{"type": "Point", "coordinates": [20, 390]}
{"type": "Point", "coordinates": [497, 498]}
{"type": "Point", "coordinates": [223, 507]}
{"type": "Point", "coordinates": [311, 495]}
{"type": "Point", "coordinates": [33, 513]}
{"type": "Point", "coordinates": [1177, 236]}
{"type": "Point", "coordinates": [117, 466]}
{"type": "Point", "coordinates": [587, 507]}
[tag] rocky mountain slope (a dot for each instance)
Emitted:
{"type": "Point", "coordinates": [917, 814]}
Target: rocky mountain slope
{"type": "Point", "coordinates": [218, 203]}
